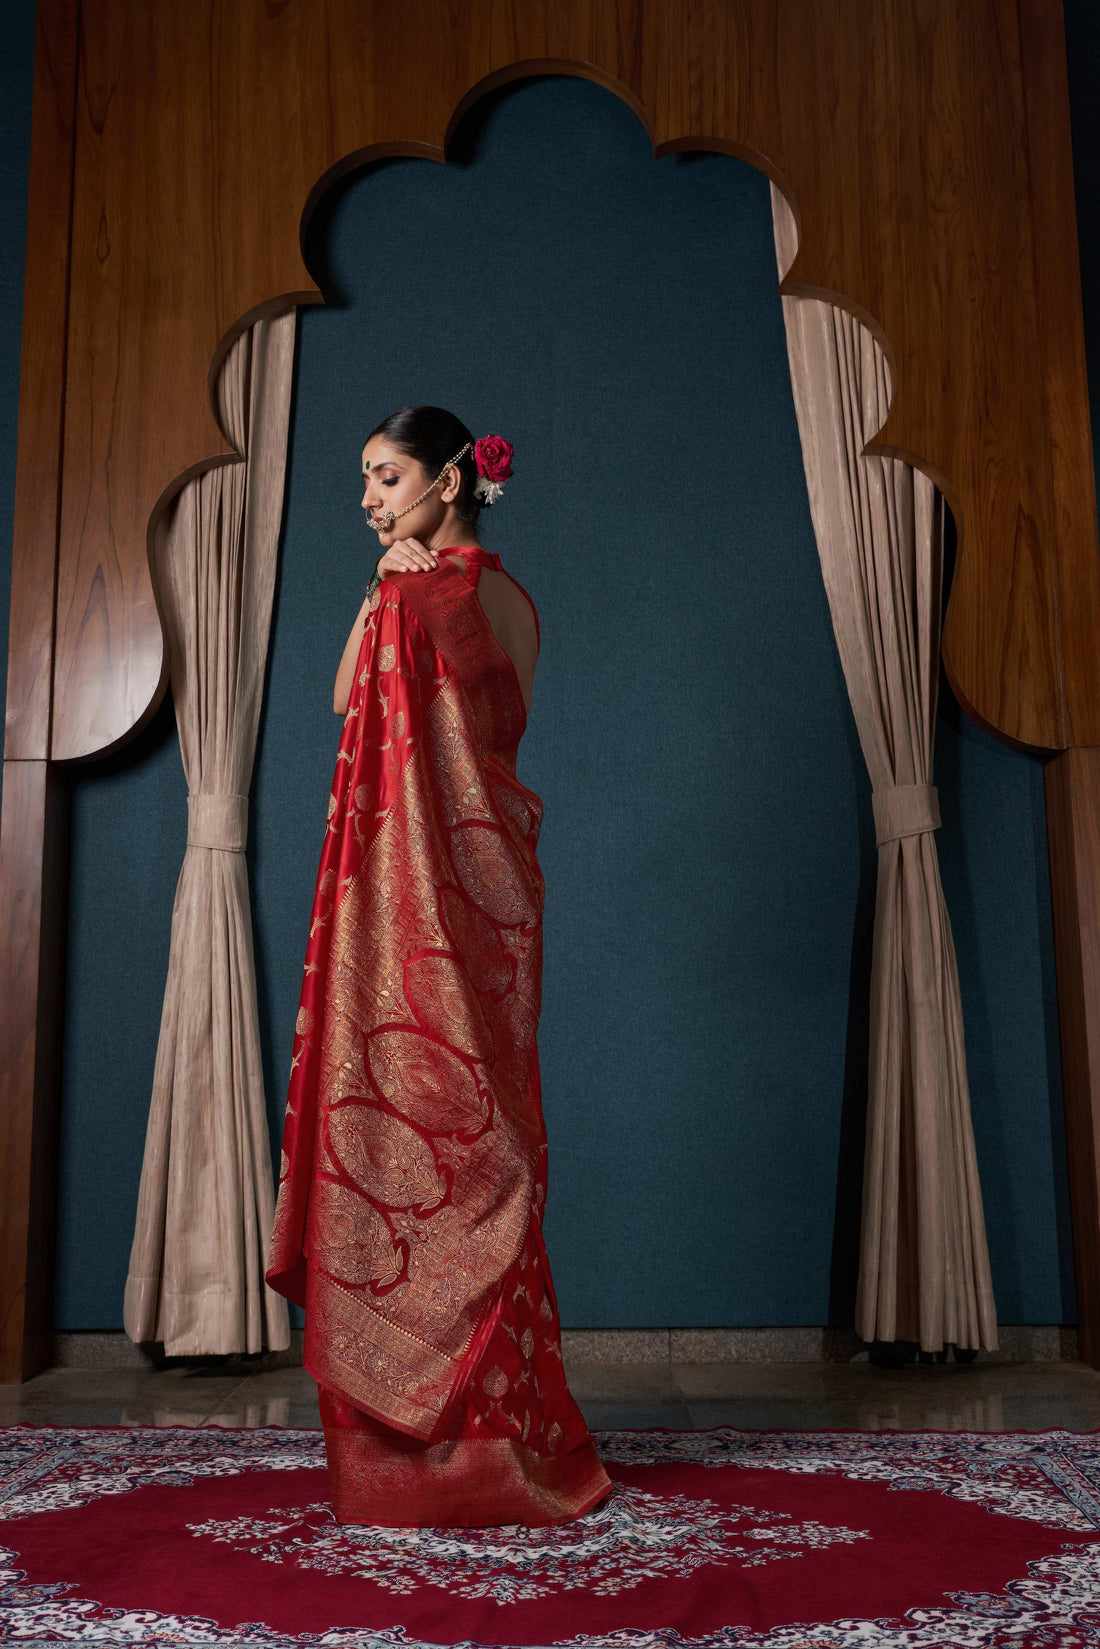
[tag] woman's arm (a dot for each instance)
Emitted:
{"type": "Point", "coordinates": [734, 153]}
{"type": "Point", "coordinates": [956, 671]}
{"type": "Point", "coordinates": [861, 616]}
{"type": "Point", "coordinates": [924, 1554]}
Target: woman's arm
{"type": "Point", "coordinates": [405, 555]}
{"type": "Point", "coordinates": [341, 693]}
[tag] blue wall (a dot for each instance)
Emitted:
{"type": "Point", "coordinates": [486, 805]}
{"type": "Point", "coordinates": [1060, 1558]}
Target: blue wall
{"type": "Point", "coordinates": [708, 841]}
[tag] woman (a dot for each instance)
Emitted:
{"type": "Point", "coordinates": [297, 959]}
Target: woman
{"type": "Point", "coordinates": [413, 1174]}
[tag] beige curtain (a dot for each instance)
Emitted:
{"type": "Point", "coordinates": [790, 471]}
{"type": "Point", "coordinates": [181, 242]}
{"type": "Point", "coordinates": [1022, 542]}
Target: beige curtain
{"type": "Point", "coordinates": [206, 1200]}
{"type": "Point", "coordinates": [924, 1266]}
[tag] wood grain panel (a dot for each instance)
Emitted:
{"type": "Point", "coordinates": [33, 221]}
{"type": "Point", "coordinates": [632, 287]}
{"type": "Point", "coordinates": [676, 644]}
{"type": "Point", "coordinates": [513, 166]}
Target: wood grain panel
{"type": "Point", "coordinates": [1067, 432]}
{"type": "Point", "coordinates": [906, 133]}
{"type": "Point", "coordinates": [1073, 835]}
{"type": "Point", "coordinates": [42, 385]}
{"type": "Point", "coordinates": [34, 857]}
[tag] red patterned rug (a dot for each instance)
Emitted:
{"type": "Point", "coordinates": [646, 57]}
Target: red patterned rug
{"type": "Point", "coordinates": [712, 1540]}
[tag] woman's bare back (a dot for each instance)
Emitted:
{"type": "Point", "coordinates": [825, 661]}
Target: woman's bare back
{"type": "Point", "coordinates": [512, 621]}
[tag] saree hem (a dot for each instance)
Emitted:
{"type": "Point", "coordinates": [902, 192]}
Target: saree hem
{"type": "Point", "coordinates": [412, 1420]}
{"type": "Point", "coordinates": [458, 1483]}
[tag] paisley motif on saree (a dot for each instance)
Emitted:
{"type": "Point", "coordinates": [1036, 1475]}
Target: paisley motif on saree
{"type": "Point", "coordinates": [413, 1170]}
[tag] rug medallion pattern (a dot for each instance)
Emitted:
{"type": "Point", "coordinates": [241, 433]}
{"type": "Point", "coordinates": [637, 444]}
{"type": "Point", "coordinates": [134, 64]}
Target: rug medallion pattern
{"type": "Point", "coordinates": [712, 1540]}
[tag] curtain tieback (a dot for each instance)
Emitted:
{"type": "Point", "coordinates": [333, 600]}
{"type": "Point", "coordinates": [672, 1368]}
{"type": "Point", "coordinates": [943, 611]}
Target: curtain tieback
{"type": "Point", "coordinates": [218, 821]}
{"type": "Point", "coordinates": [905, 810]}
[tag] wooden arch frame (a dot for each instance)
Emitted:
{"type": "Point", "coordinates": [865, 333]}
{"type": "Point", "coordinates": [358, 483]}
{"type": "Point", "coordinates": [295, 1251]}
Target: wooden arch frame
{"type": "Point", "coordinates": [916, 135]}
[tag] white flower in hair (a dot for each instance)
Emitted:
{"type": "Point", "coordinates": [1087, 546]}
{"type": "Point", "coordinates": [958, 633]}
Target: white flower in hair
{"type": "Point", "coordinates": [488, 491]}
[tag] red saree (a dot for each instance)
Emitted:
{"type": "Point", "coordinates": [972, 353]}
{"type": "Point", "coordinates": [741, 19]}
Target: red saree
{"type": "Point", "coordinates": [413, 1177]}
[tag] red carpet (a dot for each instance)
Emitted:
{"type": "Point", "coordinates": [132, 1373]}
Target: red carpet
{"type": "Point", "coordinates": [712, 1540]}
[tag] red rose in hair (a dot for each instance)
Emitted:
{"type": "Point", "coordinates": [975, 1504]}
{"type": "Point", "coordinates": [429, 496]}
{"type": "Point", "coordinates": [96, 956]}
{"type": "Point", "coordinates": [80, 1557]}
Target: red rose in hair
{"type": "Point", "coordinates": [493, 456]}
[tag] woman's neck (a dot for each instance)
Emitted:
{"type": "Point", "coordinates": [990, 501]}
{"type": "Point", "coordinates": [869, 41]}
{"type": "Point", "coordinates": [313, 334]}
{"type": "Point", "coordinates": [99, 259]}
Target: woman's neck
{"type": "Point", "coordinates": [455, 540]}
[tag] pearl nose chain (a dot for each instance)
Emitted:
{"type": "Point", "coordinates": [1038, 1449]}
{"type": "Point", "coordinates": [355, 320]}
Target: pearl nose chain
{"type": "Point", "coordinates": [387, 518]}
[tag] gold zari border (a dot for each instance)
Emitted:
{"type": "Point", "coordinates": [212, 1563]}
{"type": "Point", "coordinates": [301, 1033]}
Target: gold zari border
{"type": "Point", "coordinates": [460, 1482]}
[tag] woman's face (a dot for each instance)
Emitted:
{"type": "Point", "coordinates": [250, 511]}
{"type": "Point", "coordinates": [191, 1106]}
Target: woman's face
{"type": "Point", "coordinates": [391, 480]}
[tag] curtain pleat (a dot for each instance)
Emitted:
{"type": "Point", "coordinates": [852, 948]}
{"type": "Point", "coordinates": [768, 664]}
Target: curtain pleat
{"type": "Point", "coordinates": [206, 1200]}
{"type": "Point", "coordinates": [924, 1264]}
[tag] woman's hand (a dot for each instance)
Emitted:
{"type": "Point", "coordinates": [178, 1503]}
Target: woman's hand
{"type": "Point", "coordinates": [407, 555]}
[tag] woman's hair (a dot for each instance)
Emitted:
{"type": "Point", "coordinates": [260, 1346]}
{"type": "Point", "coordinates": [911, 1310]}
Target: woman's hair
{"type": "Point", "coordinates": [432, 435]}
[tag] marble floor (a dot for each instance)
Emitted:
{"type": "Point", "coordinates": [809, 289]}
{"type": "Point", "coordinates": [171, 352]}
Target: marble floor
{"type": "Point", "coordinates": [800, 1396]}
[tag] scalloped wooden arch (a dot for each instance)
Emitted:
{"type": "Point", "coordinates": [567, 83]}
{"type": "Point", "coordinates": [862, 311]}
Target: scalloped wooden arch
{"type": "Point", "coordinates": [177, 150]}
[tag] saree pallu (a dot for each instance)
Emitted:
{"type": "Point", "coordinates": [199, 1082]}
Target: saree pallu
{"type": "Point", "coordinates": [413, 1172]}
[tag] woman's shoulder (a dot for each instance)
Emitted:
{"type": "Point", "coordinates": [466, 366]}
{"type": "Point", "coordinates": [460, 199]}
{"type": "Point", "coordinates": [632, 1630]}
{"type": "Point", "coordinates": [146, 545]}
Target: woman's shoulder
{"type": "Point", "coordinates": [411, 589]}
{"type": "Point", "coordinates": [419, 601]}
